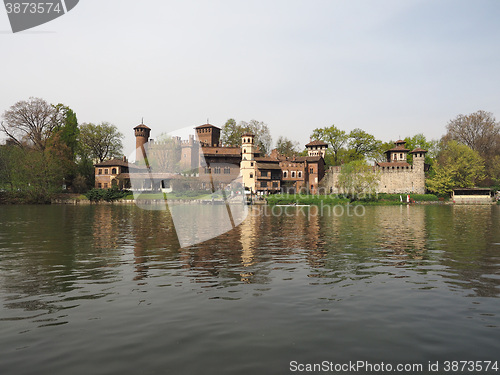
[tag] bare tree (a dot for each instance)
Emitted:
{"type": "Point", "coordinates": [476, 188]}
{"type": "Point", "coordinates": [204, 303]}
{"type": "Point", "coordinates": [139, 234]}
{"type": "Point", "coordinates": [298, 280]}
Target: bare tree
{"type": "Point", "coordinates": [478, 130]}
{"type": "Point", "coordinates": [286, 146]}
{"type": "Point", "coordinates": [29, 123]}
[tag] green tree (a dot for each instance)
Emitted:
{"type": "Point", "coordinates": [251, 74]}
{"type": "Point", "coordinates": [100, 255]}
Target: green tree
{"type": "Point", "coordinates": [100, 142]}
{"type": "Point", "coordinates": [335, 138]}
{"type": "Point", "coordinates": [358, 180]}
{"type": "Point", "coordinates": [232, 132]}
{"type": "Point", "coordinates": [419, 140]}
{"type": "Point", "coordinates": [67, 126]}
{"type": "Point", "coordinates": [5, 166]}
{"type": "Point", "coordinates": [362, 144]}
{"type": "Point", "coordinates": [458, 166]}
{"type": "Point", "coordinates": [286, 147]}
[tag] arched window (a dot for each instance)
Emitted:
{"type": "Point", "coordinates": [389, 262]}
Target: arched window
{"type": "Point", "coordinates": [113, 171]}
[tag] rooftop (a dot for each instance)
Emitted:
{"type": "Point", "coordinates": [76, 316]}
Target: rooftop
{"type": "Point", "coordinates": [142, 126]}
{"type": "Point", "coordinates": [207, 126]}
{"type": "Point", "coordinates": [317, 143]}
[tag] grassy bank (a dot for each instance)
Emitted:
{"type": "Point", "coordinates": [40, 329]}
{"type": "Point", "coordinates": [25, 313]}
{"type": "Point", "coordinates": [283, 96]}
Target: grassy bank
{"type": "Point", "coordinates": [380, 199]}
{"type": "Point", "coordinates": [184, 195]}
{"type": "Point", "coordinates": [305, 199]}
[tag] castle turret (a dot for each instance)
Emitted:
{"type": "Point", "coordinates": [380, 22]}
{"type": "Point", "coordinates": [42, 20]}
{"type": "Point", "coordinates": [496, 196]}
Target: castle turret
{"type": "Point", "coordinates": [247, 166]}
{"type": "Point", "coordinates": [418, 158]}
{"type": "Point", "coordinates": [316, 148]}
{"type": "Point", "coordinates": [141, 138]}
{"type": "Point", "coordinates": [398, 153]}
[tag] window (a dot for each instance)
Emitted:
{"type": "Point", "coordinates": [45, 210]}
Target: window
{"type": "Point", "coordinates": [275, 184]}
{"type": "Point", "coordinates": [264, 173]}
{"type": "Point", "coordinates": [285, 174]}
{"type": "Point", "coordinates": [99, 185]}
{"type": "Point", "coordinates": [263, 184]}
{"type": "Point", "coordinates": [113, 171]}
{"type": "Point", "coordinates": [251, 175]}
{"type": "Point", "coordinates": [299, 174]}
{"type": "Point", "coordinates": [100, 171]}
{"type": "Point", "coordinates": [251, 164]}
{"type": "Point", "coordinates": [207, 170]}
{"type": "Point", "coordinates": [106, 171]}
{"type": "Point", "coordinates": [401, 156]}
{"type": "Point", "coordinates": [217, 170]}
{"type": "Point", "coordinates": [293, 174]}
{"type": "Point", "coordinates": [227, 170]}
{"type": "Point", "coordinates": [105, 185]}
{"type": "Point", "coordinates": [311, 170]}
{"type": "Point", "coordinates": [244, 150]}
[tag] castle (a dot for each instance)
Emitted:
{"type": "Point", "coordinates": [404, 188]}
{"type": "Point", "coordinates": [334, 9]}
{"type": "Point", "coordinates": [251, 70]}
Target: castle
{"type": "Point", "coordinates": [396, 175]}
{"type": "Point", "coordinates": [215, 165]}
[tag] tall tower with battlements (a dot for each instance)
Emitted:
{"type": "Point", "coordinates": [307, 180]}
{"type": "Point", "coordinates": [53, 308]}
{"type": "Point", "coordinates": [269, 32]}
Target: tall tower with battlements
{"type": "Point", "coordinates": [208, 135]}
{"type": "Point", "coordinates": [142, 133]}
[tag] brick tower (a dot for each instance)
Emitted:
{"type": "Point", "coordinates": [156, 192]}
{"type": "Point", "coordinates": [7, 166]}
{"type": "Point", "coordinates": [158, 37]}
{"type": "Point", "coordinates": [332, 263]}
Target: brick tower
{"type": "Point", "coordinates": [141, 137]}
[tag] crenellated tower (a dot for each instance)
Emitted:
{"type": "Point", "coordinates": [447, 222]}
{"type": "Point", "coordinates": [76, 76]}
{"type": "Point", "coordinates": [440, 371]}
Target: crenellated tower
{"type": "Point", "coordinates": [142, 133]}
{"type": "Point", "coordinates": [418, 159]}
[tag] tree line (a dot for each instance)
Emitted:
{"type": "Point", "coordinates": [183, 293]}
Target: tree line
{"type": "Point", "coordinates": [47, 150]}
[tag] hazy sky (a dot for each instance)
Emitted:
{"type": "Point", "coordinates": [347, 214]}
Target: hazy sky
{"type": "Point", "coordinates": [392, 68]}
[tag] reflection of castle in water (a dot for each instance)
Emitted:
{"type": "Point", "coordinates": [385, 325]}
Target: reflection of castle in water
{"type": "Point", "coordinates": [270, 244]}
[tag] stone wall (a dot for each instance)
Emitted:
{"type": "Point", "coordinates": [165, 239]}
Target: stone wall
{"type": "Point", "coordinates": [392, 181]}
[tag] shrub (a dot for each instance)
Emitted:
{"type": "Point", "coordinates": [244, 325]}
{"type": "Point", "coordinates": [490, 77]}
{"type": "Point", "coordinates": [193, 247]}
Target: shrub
{"type": "Point", "coordinates": [108, 195]}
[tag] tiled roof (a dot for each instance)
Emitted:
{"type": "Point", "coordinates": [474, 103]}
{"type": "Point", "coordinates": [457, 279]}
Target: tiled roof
{"type": "Point", "coordinates": [266, 159]}
{"type": "Point", "coordinates": [207, 126]}
{"type": "Point", "coordinates": [268, 166]}
{"type": "Point", "coordinates": [311, 159]}
{"type": "Point", "coordinates": [142, 126]}
{"type": "Point", "coordinates": [113, 163]}
{"type": "Point", "coordinates": [317, 143]}
{"type": "Point", "coordinates": [418, 149]}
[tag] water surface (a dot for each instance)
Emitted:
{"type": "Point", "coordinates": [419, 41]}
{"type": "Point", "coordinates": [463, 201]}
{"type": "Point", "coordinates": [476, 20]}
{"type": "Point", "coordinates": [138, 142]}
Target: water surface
{"type": "Point", "coordinates": [106, 290]}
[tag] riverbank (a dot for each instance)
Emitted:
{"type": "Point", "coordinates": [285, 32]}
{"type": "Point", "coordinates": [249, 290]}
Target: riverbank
{"type": "Point", "coordinates": [379, 199]}
{"type": "Point", "coordinates": [272, 200]}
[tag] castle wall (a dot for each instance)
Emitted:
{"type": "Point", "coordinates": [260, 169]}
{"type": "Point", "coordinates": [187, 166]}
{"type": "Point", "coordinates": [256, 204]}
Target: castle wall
{"type": "Point", "coordinates": [391, 181]}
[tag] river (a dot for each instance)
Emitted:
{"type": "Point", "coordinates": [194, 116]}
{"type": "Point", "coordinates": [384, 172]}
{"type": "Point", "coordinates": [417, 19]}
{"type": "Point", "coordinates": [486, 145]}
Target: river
{"type": "Point", "coordinates": [106, 289]}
